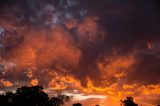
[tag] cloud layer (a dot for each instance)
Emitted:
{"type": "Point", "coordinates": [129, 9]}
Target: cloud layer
{"type": "Point", "coordinates": [96, 47]}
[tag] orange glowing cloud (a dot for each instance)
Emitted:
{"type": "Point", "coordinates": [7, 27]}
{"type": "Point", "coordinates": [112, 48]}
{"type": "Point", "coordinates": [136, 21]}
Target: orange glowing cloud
{"type": "Point", "coordinates": [34, 82]}
{"type": "Point", "coordinates": [46, 47]}
{"type": "Point", "coordinates": [6, 83]}
{"type": "Point", "coordinates": [24, 56]}
{"type": "Point", "coordinates": [115, 65]}
{"type": "Point", "coordinates": [150, 89]}
{"type": "Point", "coordinates": [127, 86]}
{"type": "Point", "coordinates": [89, 31]}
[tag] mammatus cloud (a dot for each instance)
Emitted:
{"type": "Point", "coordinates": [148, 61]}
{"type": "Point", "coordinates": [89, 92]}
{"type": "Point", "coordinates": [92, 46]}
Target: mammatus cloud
{"type": "Point", "coordinates": [103, 48]}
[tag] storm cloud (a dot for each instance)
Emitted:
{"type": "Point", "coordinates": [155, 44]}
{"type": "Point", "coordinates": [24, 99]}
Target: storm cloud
{"type": "Point", "coordinates": [94, 46]}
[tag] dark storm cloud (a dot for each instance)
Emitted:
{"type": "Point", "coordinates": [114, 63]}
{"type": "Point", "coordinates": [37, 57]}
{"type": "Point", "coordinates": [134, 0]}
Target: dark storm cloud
{"type": "Point", "coordinates": [126, 22]}
{"type": "Point", "coordinates": [146, 70]}
{"type": "Point", "coordinates": [40, 12]}
{"type": "Point", "coordinates": [127, 25]}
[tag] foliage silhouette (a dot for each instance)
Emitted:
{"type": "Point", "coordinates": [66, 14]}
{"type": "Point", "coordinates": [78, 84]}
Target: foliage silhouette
{"type": "Point", "coordinates": [59, 100]}
{"type": "Point", "coordinates": [35, 96]}
{"type": "Point", "coordinates": [31, 96]}
{"type": "Point", "coordinates": [3, 100]}
{"type": "Point", "coordinates": [128, 102]}
{"type": "Point", "coordinates": [77, 104]}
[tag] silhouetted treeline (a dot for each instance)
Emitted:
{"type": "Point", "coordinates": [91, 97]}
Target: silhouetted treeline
{"type": "Point", "coordinates": [35, 96]}
{"type": "Point", "coordinates": [31, 96]}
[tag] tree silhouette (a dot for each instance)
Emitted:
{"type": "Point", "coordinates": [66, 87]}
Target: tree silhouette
{"type": "Point", "coordinates": [3, 100]}
{"type": "Point", "coordinates": [77, 104]}
{"type": "Point", "coordinates": [128, 102]}
{"type": "Point", "coordinates": [31, 96]}
{"type": "Point", "coordinates": [59, 100]}
{"type": "Point", "coordinates": [9, 97]}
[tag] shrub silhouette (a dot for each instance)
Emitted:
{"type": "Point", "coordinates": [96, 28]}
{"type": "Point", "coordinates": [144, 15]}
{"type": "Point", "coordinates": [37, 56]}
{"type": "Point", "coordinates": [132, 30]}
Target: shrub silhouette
{"type": "Point", "coordinates": [128, 102]}
{"type": "Point", "coordinates": [77, 104]}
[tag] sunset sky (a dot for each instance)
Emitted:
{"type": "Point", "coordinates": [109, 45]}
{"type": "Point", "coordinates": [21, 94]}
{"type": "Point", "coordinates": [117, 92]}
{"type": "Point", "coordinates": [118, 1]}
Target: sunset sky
{"type": "Point", "coordinates": [98, 51]}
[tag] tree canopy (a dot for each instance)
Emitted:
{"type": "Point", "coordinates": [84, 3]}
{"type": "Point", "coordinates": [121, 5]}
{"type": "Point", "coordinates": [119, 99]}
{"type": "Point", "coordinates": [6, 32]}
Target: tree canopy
{"type": "Point", "coordinates": [77, 104]}
{"type": "Point", "coordinates": [31, 96]}
{"type": "Point", "coordinates": [128, 102]}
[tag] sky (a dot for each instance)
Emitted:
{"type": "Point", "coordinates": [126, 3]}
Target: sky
{"type": "Point", "coordinates": [99, 51]}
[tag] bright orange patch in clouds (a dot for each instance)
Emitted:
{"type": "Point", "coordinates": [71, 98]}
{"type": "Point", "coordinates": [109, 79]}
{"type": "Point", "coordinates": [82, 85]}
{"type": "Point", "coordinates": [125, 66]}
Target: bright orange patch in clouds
{"type": "Point", "coordinates": [34, 82]}
{"type": "Point", "coordinates": [6, 83]}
